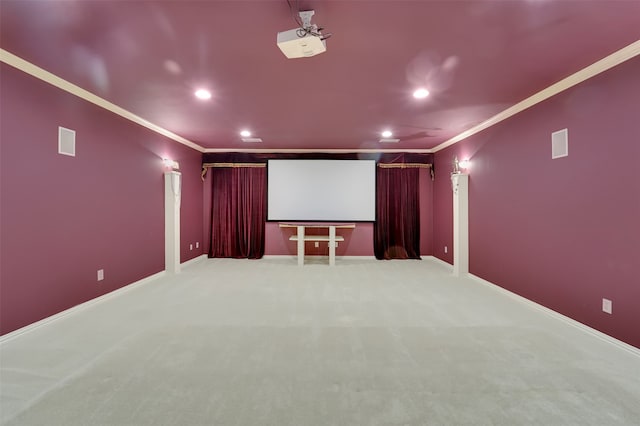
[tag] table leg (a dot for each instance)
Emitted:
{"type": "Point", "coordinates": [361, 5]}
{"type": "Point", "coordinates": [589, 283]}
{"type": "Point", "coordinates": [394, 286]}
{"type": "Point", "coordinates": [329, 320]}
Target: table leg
{"type": "Point", "coordinates": [300, 245]}
{"type": "Point", "coordinates": [332, 245]}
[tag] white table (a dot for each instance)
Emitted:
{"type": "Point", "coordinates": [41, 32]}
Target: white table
{"type": "Point", "coordinates": [331, 238]}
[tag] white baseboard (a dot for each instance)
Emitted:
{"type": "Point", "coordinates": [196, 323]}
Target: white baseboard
{"type": "Point", "coordinates": [439, 261]}
{"type": "Point", "coordinates": [295, 257]}
{"type": "Point", "coordinates": [75, 309]}
{"type": "Point", "coordinates": [279, 256]}
{"type": "Point", "coordinates": [354, 257]}
{"type": "Point", "coordinates": [194, 260]}
{"type": "Point", "coordinates": [585, 328]}
{"type": "Point", "coordinates": [88, 303]}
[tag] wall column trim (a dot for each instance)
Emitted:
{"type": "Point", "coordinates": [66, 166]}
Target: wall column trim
{"type": "Point", "coordinates": [460, 187]}
{"type": "Point", "coordinates": [172, 191]}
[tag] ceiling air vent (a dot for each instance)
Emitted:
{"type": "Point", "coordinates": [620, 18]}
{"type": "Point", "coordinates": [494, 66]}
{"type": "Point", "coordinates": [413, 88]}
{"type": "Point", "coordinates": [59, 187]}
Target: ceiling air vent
{"type": "Point", "coordinates": [560, 144]}
{"type": "Point", "coordinates": [389, 140]}
{"type": "Point", "coordinates": [66, 142]}
{"type": "Point", "coordinates": [251, 140]}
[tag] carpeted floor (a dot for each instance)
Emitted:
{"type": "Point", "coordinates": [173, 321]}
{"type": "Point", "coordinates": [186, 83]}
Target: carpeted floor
{"type": "Point", "coordinates": [239, 342]}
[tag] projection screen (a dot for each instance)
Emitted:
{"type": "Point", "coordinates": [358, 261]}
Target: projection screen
{"type": "Point", "coordinates": [321, 190]}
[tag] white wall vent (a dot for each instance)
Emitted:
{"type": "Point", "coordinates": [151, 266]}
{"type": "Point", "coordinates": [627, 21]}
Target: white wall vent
{"type": "Point", "coordinates": [560, 143]}
{"type": "Point", "coordinates": [252, 140]}
{"type": "Point", "coordinates": [389, 140]}
{"type": "Point", "coordinates": [66, 142]}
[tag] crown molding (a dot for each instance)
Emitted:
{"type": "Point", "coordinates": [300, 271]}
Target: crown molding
{"type": "Point", "coordinates": [48, 77]}
{"type": "Point", "coordinates": [321, 151]}
{"type": "Point", "coordinates": [592, 70]}
{"type": "Point", "coordinates": [31, 69]}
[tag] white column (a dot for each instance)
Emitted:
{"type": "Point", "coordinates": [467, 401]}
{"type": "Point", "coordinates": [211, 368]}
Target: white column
{"type": "Point", "coordinates": [460, 186]}
{"type": "Point", "coordinates": [300, 245]}
{"type": "Point", "coordinates": [332, 245]}
{"type": "Point", "coordinates": [172, 190]}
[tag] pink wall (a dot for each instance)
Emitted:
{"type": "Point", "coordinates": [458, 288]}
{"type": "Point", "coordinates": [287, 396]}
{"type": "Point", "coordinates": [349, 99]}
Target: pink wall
{"type": "Point", "coordinates": [191, 226]}
{"type": "Point", "coordinates": [358, 241]}
{"type": "Point", "coordinates": [564, 233]}
{"type": "Point", "coordinates": [426, 213]}
{"type": "Point", "coordinates": [206, 212]}
{"type": "Point", "coordinates": [443, 208]}
{"type": "Point", "coordinates": [63, 218]}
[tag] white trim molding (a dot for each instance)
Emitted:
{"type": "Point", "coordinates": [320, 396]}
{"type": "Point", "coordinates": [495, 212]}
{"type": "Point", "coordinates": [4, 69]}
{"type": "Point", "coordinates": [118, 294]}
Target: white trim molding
{"type": "Point", "coordinates": [585, 328]}
{"type": "Point", "coordinates": [75, 309]}
{"type": "Point", "coordinates": [31, 69]}
{"type": "Point", "coordinates": [460, 187]}
{"type": "Point", "coordinates": [320, 151]}
{"type": "Point", "coordinates": [48, 77]}
{"type": "Point", "coordinates": [592, 70]}
{"type": "Point", "coordinates": [294, 257]}
{"type": "Point", "coordinates": [81, 307]}
{"type": "Point", "coordinates": [194, 260]}
{"type": "Point", "coordinates": [438, 261]}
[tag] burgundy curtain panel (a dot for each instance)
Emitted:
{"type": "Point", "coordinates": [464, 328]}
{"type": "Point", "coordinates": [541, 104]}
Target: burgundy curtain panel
{"type": "Point", "coordinates": [397, 227]}
{"type": "Point", "coordinates": [238, 212]}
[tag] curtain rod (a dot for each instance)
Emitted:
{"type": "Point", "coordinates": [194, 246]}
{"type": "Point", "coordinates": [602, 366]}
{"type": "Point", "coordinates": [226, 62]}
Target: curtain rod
{"type": "Point", "coordinates": [210, 165]}
{"type": "Point", "coordinates": [206, 166]}
{"type": "Point", "coordinates": [404, 166]}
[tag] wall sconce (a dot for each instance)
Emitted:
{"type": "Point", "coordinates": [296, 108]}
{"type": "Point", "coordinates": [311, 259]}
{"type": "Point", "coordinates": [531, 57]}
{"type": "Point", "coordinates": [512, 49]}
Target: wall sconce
{"type": "Point", "coordinates": [460, 166]}
{"type": "Point", "coordinates": [171, 164]}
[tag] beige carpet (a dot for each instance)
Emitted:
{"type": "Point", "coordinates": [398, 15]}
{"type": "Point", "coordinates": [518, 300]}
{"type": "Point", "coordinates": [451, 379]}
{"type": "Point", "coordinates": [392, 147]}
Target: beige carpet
{"type": "Point", "coordinates": [239, 342]}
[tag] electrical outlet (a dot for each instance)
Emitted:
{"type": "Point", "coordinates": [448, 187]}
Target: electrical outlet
{"type": "Point", "coordinates": [607, 306]}
{"type": "Point", "coordinates": [317, 244]}
{"type": "Point", "coordinates": [445, 249]}
{"type": "Point", "coordinates": [100, 274]}
{"type": "Point", "coordinates": [336, 244]}
{"type": "Point", "coordinates": [197, 244]}
{"type": "Point", "coordinates": [190, 246]}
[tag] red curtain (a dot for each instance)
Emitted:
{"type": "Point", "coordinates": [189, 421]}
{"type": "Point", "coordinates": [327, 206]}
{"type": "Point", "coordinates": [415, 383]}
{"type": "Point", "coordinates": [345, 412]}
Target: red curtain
{"type": "Point", "coordinates": [397, 228]}
{"type": "Point", "coordinates": [238, 212]}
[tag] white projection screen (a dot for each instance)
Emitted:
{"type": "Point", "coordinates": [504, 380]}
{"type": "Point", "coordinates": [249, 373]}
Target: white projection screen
{"type": "Point", "coordinates": [321, 190]}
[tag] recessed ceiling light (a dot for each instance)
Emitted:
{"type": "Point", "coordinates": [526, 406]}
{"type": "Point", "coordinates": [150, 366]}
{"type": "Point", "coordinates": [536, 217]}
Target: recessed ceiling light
{"type": "Point", "coordinates": [421, 93]}
{"type": "Point", "coordinates": [203, 94]}
{"type": "Point", "coordinates": [245, 133]}
{"type": "Point", "coordinates": [387, 134]}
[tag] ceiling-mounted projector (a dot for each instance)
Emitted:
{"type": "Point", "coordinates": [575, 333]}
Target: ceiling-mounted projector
{"type": "Point", "coordinates": [303, 42]}
{"type": "Point", "coordinates": [294, 46]}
